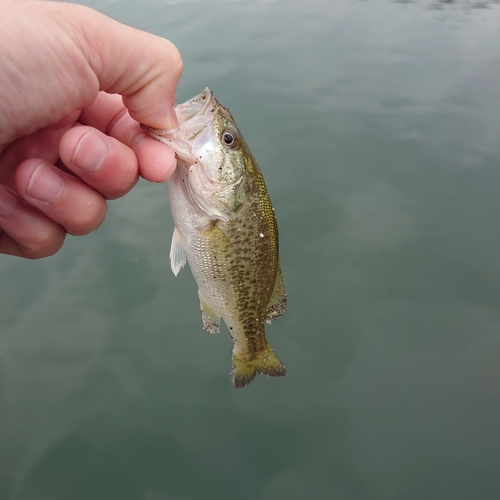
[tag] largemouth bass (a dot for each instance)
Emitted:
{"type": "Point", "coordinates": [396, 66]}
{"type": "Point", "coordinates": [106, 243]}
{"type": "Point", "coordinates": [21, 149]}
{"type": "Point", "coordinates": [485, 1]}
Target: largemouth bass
{"type": "Point", "coordinates": [226, 229]}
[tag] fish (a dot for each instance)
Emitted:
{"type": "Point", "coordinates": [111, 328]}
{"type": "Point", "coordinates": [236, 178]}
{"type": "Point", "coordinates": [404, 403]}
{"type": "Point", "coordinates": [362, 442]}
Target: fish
{"type": "Point", "coordinates": [226, 229]}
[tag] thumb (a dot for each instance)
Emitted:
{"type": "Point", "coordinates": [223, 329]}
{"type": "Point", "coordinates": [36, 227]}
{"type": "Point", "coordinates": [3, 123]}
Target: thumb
{"type": "Point", "coordinates": [143, 68]}
{"type": "Point", "coordinates": [57, 56]}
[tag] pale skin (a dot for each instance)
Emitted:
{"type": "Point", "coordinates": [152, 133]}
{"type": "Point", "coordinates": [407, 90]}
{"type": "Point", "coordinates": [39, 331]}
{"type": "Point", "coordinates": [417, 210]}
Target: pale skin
{"type": "Point", "coordinates": [74, 86]}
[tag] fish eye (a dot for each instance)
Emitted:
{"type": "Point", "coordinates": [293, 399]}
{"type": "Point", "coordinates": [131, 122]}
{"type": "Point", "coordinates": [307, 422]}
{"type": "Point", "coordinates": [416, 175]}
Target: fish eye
{"type": "Point", "coordinates": [229, 138]}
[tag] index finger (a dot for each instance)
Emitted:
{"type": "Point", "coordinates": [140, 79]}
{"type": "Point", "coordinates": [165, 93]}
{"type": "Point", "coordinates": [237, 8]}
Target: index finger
{"type": "Point", "coordinates": [109, 115]}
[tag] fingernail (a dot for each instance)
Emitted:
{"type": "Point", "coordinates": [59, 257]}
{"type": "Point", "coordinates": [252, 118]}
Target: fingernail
{"type": "Point", "coordinates": [45, 184]}
{"type": "Point", "coordinates": [8, 204]}
{"type": "Point", "coordinates": [91, 152]}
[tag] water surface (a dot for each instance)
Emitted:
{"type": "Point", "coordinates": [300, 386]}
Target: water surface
{"type": "Point", "coordinates": [376, 124]}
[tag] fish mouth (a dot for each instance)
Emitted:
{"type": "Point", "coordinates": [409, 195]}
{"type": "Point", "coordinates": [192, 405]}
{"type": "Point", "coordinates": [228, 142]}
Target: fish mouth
{"type": "Point", "coordinates": [195, 118]}
{"type": "Point", "coordinates": [196, 107]}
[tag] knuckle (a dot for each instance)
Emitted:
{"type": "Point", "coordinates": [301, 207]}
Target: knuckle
{"type": "Point", "coordinates": [174, 60]}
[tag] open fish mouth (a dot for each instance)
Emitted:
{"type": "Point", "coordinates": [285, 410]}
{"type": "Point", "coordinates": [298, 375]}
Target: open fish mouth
{"type": "Point", "coordinates": [195, 107]}
{"type": "Point", "coordinates": [195, 118]}
{"type": "Point", "coordinates": [198, 111]}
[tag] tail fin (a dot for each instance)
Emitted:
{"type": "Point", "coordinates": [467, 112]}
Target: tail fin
{"type": "Point", "coordinates": [266, 363]}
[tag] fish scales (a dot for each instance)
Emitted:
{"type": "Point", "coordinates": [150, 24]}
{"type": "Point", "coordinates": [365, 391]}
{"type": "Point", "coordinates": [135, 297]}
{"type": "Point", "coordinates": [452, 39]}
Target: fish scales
{"type": "Point", "coordinates": [226, 229]}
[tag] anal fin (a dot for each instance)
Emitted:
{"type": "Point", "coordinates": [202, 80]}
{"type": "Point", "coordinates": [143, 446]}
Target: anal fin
{"type": "Point", "coordinates": [211, 320]}
{"type": "Point", "coordinates": [278, 301]}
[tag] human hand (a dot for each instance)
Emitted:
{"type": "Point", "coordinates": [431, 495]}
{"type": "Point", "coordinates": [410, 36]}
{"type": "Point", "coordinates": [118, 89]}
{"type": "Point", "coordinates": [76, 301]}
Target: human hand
{"type": "Point", "coordinates": [67, 142]}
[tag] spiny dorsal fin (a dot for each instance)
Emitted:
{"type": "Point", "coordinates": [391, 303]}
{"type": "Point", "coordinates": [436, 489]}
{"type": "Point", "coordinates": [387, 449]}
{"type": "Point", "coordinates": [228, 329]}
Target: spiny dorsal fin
{"type": "Point", "coordinates": [278, 301]}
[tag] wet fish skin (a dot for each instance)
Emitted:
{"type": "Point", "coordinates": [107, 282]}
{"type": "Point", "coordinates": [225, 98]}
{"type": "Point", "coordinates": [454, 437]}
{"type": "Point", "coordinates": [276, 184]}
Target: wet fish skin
{"type": "Point", "coordinates": [226, 229]}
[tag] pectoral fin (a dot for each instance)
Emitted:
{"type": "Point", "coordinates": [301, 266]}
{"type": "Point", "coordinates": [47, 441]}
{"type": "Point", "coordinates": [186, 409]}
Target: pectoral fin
{"type": "Point", "coordinates": [211, 320]}
{"type": "Point", "coordinates": [277, 304]}
{"type": "Point", "coordinates": [177, 253]}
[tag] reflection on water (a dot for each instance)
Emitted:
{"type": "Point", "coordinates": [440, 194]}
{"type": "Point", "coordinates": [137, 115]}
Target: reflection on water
{"type": "Point", "coordinates": [376, 125]}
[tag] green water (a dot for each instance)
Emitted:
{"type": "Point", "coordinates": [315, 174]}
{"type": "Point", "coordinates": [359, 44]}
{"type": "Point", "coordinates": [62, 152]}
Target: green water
{"type": "Point", "coordinates": [377, 126]}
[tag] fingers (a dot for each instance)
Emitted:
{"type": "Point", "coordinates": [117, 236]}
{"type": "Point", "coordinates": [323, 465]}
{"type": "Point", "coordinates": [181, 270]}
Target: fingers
{"type": "Point", "coordinates": [24, 231]}
{"type": "Point", "coordinates": [156, 161]}
{"type": "Point", "coordinates": [108, 114]}
{"type": "Point", "coordinates": [63, 198]}
{"type": "Point", "coordinates": [43, 144]}
{"type": "Point", "coordinates": [50, 201]}
{"type": "Point", "coordinates": [100, 161]}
